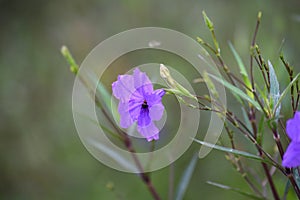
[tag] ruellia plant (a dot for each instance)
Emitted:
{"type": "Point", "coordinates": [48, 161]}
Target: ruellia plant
{"type": "Point", "coordinates": [260, 103]}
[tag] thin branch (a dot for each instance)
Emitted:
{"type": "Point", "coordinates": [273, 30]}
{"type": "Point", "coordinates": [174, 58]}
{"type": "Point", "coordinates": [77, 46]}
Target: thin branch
{"type": "Point", "coordinates": [239, 165]}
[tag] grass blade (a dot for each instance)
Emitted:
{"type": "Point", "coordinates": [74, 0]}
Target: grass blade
{"type": "Point", "coordinates": [261, 130]}
{"type": "Point", "coordinates": [103, 95]}
{"type": "Point", "coordinates": [186, 177]}
{"type": "Point", "coordinates": [286, 190]}
{"type": "Point", "coordinates": [113, 155]}
{"type": "Point", "coordinates": [237, 91]}
{"type": "Point", "coordinates": [297, 176]}
{"type": "Point", "coordinates": [243, 70]}
{"type": "Point", "coordinates": [274, 90]}
{"type": "Point", "coordinates": [105, 98]}
{"type": "Point", "coordinates": [285, 91]}
{"type": "Point", "coordinates": [233, 151]}
{"type": "Point", "coordinates": [104, 128]}
{"type": "Point", "coordinates": [246, 119]}
{"type": "Point", "coordinates": [239, 61]}
{"type": "Point", "coordinates": [237, 190]}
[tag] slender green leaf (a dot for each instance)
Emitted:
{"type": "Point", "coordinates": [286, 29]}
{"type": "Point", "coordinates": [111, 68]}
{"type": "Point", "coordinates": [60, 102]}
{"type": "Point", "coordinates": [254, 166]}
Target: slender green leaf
{"type": "Point", "coordinates": [109, 103]}
{"type": "Point", "coordinates": [286, 91]}
{"type": "Point", "coordinates": [261, 131]}
{"type": "Point", "coordinates": [102, 93]}
{"type": "Point", "coordinates": [297, 175]}
{"type": "Point", "coordinates": [186, 177]}
{"type": "Point", "coordinates": [274, 90]}
{"type": "Point", "coordinates": [263, 94]}
{"type": "Point", "coordinates": [233, 151]}
{"type": "Point", "coordinates": [105, 128]}
{"type": "Point", "coordinates": [113, 155]}
{"type": "Point", "coordinates": [237, 91]}
{"type": "Point", "coordinates": [225, 187]}
{"type": "Point", "coordinates": [243, 70]}
{"type": "Point", "coordinates": [286, 190]}
{"type": "Point", "coordinates": [238, 60]}
{"type": "Point", "coordinates": [247, 121]}
{"type": "Point", "coordinates": [211, 86]}
{"type": "Point", "coordinates": [105, 97]}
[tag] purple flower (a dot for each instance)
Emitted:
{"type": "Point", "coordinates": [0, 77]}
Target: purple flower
{"type": "Point", "coordinates": [139, 102]}
{"type": "Point", "coordinates": [293, 127]}
{"type": "Point", "coordinates": [291, 157]}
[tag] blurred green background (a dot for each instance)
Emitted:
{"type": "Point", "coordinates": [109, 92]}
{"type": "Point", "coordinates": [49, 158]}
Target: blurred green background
{"type": "Point", "coordinates": [41, 156]}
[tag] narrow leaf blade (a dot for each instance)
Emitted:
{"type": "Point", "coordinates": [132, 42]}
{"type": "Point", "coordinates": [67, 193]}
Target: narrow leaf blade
{"type": "Point", "coordinates": [274, 90]}
{"type": "Point", "coordinates": [297, 176]}
{"type": "Point", "coordinates": [237, 190]}
{"type": "Point", "coordinates": [113, 155]}
{"type": "Point", "coordinates": [246, 119]}
{"type": "Point", "coordinates": [237, 91]}
{"type": "Point", "coordinates": [238, 60]}
{"type": "Point", "coordinates": [285, 91]}
{"type": "Point", "coordinates": [286, 190]}
{"type": "Point", "coordinates": [233, 151]}
{"type": "Point", "coordinates": [243, 70]}
{"type": "Point", "coordinates": [186, 177]}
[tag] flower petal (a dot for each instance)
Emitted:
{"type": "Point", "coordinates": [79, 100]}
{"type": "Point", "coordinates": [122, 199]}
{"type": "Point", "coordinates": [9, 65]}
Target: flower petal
{"type": "Point", "coordinates": [156, 111]}
{"type": "Point", "coordinates": [144, 118]}
{"type": "Point", "coordinates": [154, 137]}
{"type": "Point", "coordinates": [138, 102]}
{"type": "Point", "coordinates": [160, 92]}
{"type": "Point", "coordinates": [141, 82]}
{"type": "Point", "coordinates": [293, 127]}
{"type": "Point", "coordinates": [155, 97]}
{"type": "Point", "coordinates": [123, 88]}
{"type": "Point", "coordinates": [134, 108]}
{"type": "Point", "coordinates": [150, 132]}
{"type": "Point", "coordinates": [125, 118]}
{"type": "Point", "coordinates": [291, 157]}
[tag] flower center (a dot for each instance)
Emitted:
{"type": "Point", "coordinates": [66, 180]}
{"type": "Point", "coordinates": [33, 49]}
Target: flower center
{"type": "Point", "coordinates": [145, 105]}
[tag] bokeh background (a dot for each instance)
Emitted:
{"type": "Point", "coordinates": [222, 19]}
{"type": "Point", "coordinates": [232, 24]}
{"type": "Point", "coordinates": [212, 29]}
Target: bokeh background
{"type": "Point", "coordinates": [41, 156]}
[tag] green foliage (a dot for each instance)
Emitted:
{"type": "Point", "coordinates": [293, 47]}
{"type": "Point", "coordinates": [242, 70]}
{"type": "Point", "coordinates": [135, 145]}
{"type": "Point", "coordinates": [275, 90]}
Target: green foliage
{"type": "Point", "coordinates": [243, 70]}
{"type": "Point", "coordinates": [237, 190]}
{"type": "Point", "coordinates": [297, 175]}
{"type": "Point", "coordinates": [274, 90]}
{"type": "Point", "coordinates": [38, 134]}
{"type": "Point", "coordinates": [175, 87]}
{"type": "Point", "coordinates": [111, 154]}
{"type": "Point", "coordinates": [238, 92]}
{"type": "Point", "coordinates": [186, 177]}
{"type": "Point", "coordinates": [68, 56]}
{"type": "Point", "coordinates": [286, 190]}
{"type": "Point", "coordinates": [285, 91]}
{"type": "Point", "coordinates": [208, 22]}
{"type": "Point", "coordinates": [233, 151]}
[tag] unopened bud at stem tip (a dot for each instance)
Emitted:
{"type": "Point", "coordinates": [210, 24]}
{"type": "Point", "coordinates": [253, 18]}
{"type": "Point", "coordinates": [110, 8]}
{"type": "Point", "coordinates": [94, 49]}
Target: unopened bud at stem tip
{"type": "Point", "coordinates": [164, 72]}
{"type": "Point", "coordinates": [64, 50]}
